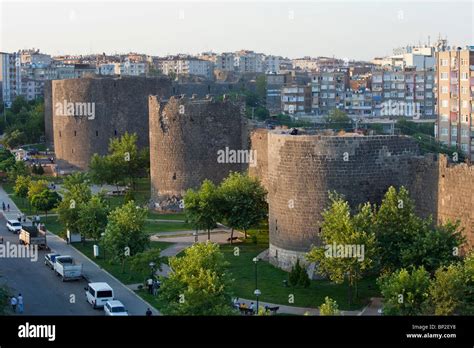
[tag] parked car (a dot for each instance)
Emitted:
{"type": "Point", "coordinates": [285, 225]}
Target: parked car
{"type": "Point", "coordinates": [97, 294]}
{"type": "Point", "coordinates": [50, 259]}
{"type": "Point", "coordinates": [14, 226]}
{"type": "Point", "coordinates": [67, 268]}
{"type": "Point", "coordinates": [115, 308]}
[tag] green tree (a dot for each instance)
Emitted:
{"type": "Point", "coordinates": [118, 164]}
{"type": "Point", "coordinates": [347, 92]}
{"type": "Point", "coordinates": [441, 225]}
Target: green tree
{"type": "Point", "coordinates": [447, 290]}
{"type": "Point", "coordinates": [36, 187]}
{"type": "Point", "coordinates": [74, 196]}
{"type": "Point", "coordinates": [19, 168]}
{"type": "Point", "coordinates": [433, 247]}
{"type": "Point", "coordinates": [347, 250]}
{"type": "Point", "coordinates": [261, 87]}
{"type": "Point", "coordinates": [15, 138]}
{"type": "Point", "coordinates": [92, 218]}
{"type": "Point", "coordinates": [244, 202]}
{"type": "Point", "coordinates": [404, 239]}
{"type": "Point", "coordinates": [198, 284]}
{"type": "Point", "coordinates": [45, 200]}
{"type": "Point", "coordinates": [75, 179]}
{"type": "Point", "coordinates": [22, 186]}
{"type": "Point", "coordinates": [7, 160]}
{"type": "Point", "coordinates": [124, 163]}
{"type": "Point", "coordinates": [101, 171]}
{"type": "Point", "coordinates": [338, 119]}
{"type": "Point", "coordinates": [125, 234]}
{"type": "Point", "coordinates": [202, 207]}
{"type": "Point", "coordinates": [396, 225]}
{"type": "Point", "coordinates": [405, 292]}
{"type": "Point", "coordinates": [329, 307]}
{"type": "Point", "coordinates": [140, 263]}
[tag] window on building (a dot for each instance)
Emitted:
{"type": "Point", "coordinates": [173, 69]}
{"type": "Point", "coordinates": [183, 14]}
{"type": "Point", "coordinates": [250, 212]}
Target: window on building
{"type": "Point", "coordinates": [444, 131]}
{"type": "Point", "coordinates": [464, 76]}
{"type": "Point", "coordinates": [444, 76]}
{"type": "Point", "coordinates": [444, 103]}
{"type": "Point", "coordinates": [444, 62]}
{"type": "Point", "coordinates": [444, 89]}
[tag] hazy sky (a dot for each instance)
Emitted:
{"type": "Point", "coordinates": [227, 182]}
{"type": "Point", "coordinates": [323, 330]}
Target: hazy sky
{"type": "Point", "coordinates": [352, 29]}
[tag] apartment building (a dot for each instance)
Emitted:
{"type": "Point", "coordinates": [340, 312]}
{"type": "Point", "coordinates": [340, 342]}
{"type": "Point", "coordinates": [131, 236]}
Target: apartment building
{"type": "Point", "coordinates": [328, 88]}
{"type": "Point", "coordinates": [225, 61]}
{"type": "Point", "coordinates": [10, 66]}
{"type": "Point", "coordinates": [403, 92]}
{"type": "Point", "coordinates": [455, 91]}
{"type": "Point", "coordinates": [187, 66]}
{"type": "Point", "coordinates": [296, 99]}
{"type": "Point", "coordinates": [248, 62]}
{"type": "Point", "coordinates": [131, 68]}
{"type": "Point", "coordinates": [358, 102]}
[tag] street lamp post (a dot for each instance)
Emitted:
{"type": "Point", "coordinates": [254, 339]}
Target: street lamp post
{"type": "Point", "coordinates": [256, 292]}
{"type": "Point", "coordinates": [103, 244]}
{"type": "Point", "coordinates": [152, 267]}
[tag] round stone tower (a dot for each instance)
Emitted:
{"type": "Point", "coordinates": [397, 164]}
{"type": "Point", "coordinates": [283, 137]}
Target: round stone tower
{"type": "Point", "coordinates": [303, 169]}
{"type": "Point", "coordinates": [86, 113]}
{"type": "Point", "coordinates": [192, 140]}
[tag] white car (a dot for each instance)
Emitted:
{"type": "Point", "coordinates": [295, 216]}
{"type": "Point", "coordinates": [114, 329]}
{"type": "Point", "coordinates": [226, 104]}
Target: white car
{"type": "Point", "coordinates": [14, 226]}
{"type": "Point", "coordinates": [115, 308]}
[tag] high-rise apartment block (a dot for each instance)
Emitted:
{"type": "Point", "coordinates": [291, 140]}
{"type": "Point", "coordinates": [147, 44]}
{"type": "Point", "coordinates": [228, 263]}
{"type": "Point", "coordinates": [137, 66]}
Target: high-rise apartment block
{"type": "Point", "coordinates": [455, 91]}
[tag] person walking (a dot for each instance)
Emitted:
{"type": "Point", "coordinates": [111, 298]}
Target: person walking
{"type": "Point", "coordinates": [150, 285]}
{"type": "Point", "coordinates": [3, 206]}
{"type": "Point", "coordinates": [20, 303]}
{"type": "Point", "coordinates": [13, 302]}
{"type": "Point", "coordinates": [8, 207]}
{"type": "Point", "coordinates": [148, 312]}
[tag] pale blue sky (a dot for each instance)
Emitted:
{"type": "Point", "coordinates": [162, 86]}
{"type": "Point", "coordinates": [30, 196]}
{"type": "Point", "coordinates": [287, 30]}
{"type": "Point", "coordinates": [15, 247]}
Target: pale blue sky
{"type": "Point", "coordinates": [352, 29]}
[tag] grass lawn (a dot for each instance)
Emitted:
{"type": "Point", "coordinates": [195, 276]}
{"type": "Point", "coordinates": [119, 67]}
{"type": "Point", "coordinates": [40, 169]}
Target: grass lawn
{"type": "Point", "coordinates": [160, 216]}
{"type": "Point", "coordinates": [115, 268]}
{"type": "Point", "coordinates": [8, 187]}
{"type": "Point", "coordinates": [160, 226]}
{"type": "Point", "coordinates": [270, 281]}
{"type": "Point", "coordinates": [153, 300]}
{"type": "Point", "coordinates": [22, 204]}
{"type": "Point", "coordinates": [53, 225]}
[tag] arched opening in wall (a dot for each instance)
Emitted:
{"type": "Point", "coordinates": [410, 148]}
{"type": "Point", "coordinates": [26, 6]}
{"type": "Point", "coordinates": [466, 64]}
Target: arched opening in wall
{"type": "Point", "coordinates": [115, 132]}
{"type": "Point", "coordinates": [96, 133]}
{"type": "Point", "coordinates": [209, 89]}
{"type": "Point", "coordinates": [60, 134]}
{"type": "Point", "coordinates": [75, 133]}
{"type": "Point", "coordinates": [174, 176]}
{"type": "Point", "coordinates": [72, 150]}
{"type": "Point", "coordinates": [276, 224]}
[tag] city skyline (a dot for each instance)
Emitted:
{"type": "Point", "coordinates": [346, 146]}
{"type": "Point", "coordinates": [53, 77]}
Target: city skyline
{"type": "Point", "coordinates": [285, 30]}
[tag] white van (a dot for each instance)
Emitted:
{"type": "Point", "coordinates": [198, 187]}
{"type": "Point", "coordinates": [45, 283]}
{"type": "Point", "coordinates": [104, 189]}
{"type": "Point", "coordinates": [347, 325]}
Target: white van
{"type": "Point", "coordinates": [97, 294]}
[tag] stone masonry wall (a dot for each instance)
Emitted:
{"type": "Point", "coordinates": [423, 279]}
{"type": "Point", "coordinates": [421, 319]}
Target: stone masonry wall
{"type": "Point", "coordinates": [185, 137]}
{"type": "Point", "coordinates": [302, 170]}
{"type": "Point", "coordinates": [121, 105]}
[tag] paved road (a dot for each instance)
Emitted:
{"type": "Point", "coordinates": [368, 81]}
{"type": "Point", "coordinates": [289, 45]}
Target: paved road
{"type": "Point", "coordinates": [44, 293]}
{"type": "Point", "coordinates": [42, 290]}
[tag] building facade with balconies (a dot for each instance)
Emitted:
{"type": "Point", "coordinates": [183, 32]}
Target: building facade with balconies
{"type": "Point", "coordinates": [455, 98]}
